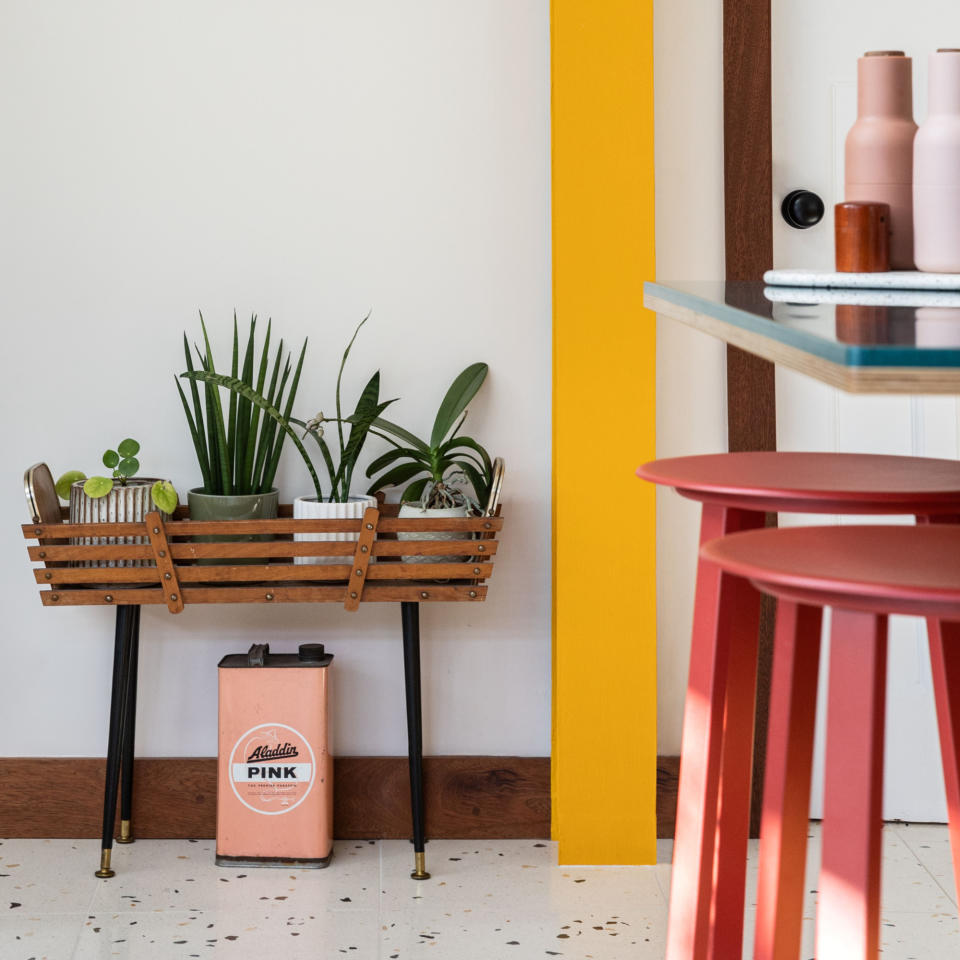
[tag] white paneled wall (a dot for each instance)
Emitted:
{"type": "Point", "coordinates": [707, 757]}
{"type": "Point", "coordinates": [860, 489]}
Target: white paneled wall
{"type": "Point", "coordinates": [311, 162]}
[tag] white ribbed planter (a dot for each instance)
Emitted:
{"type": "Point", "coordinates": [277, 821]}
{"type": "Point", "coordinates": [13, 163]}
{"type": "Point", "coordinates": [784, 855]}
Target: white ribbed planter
{"type": "Point", "coordinates": [129, 503]}
{"type": "Point", "coordinates": [415, 511]}
{"type": "Point", "coordinates": [310, 508]}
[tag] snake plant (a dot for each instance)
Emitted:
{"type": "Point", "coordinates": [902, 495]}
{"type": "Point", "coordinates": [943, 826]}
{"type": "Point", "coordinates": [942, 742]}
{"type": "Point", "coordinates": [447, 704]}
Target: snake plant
{"type": "Point", "coordinates": [238, 452]}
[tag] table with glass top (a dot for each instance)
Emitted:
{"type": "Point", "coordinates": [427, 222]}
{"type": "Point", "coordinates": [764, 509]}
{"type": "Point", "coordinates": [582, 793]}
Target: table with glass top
{"type": "Point", "coordinates": [862, 341]}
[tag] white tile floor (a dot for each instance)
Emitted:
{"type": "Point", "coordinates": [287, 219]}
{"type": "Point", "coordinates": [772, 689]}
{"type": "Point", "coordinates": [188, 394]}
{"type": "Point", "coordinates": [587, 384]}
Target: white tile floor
{"type": "Point", "coordinates": [489, 900]}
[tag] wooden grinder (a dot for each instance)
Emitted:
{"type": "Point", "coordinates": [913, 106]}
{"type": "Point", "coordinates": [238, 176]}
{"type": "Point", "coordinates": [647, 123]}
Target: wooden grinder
{"type": "Point", "coordinates": [862, 230]}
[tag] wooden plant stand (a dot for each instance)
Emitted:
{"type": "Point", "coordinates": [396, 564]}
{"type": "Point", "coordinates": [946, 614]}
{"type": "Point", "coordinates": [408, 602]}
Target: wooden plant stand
{"type": "Point", "coordinates": [180, 565]}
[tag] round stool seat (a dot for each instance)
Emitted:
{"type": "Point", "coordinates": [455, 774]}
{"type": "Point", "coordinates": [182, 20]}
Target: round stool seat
{"type": "Point", "coordinates": [814, 482]}
{"type": "Point", "coordinates": [893, 569]}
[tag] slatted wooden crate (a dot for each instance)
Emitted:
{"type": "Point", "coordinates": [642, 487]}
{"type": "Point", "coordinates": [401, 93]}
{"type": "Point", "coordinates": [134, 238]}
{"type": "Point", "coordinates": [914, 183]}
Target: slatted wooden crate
{"type": "Point", "coordinates": [369, 569]}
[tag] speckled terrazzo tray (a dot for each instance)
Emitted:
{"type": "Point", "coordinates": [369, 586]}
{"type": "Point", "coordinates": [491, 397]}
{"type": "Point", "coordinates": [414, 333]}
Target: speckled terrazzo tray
{"type": "Point", "coordinates": [870, 298]}
{"type": "Point", "coordinates": [892, 280]}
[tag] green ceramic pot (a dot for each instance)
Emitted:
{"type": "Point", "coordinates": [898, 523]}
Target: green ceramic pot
{"type": "Point", "coordinates": [241, 506]}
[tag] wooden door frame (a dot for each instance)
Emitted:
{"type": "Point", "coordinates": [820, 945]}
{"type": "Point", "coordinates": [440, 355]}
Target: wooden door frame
{"type": "Point", "coordinates": [748, 246]}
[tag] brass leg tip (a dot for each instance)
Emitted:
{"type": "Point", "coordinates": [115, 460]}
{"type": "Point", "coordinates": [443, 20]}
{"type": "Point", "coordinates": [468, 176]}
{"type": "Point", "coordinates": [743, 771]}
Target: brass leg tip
{"type": "Point", "coordinates": [420, 867]}
{"type": "Point", "coordinates": [104, 872]}
{"type": "Point", "coordinates": [126, 834]}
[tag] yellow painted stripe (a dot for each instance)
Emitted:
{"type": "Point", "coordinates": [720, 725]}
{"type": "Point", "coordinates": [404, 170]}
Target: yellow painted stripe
{"type": "Point", "coordinates": [604, 663]}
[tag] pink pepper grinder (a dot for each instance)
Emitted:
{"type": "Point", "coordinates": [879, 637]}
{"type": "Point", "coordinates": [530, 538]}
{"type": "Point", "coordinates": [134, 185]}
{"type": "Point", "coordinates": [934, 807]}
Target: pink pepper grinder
{"type": "Point", "coordinates": [879, 147]}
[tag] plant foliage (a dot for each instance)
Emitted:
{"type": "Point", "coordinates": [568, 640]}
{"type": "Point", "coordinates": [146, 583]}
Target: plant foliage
{"type": "Point", "coordinates": [124, 464]}
{"type": "Point", "coordinates": [434, 472]}
{"type": "Point", "coordinates": [368, 409]}
{"type": "Point", "coordinates": [238, 450]}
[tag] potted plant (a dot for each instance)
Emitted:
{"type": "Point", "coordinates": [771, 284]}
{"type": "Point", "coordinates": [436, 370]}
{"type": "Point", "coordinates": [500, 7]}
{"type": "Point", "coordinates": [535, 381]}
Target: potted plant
{"type": "Point", "coordinates": [441, 474]}
{"type": "Point", "coordinates": [238, 451]}
{"type": "Point", "coordinates": [122, 497]}
{"type": "Point", "coordinates": [340, 504]}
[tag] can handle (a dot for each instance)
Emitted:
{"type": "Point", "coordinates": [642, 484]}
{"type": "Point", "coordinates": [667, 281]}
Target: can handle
{"type": "Point", "coordinates": [257, 654]}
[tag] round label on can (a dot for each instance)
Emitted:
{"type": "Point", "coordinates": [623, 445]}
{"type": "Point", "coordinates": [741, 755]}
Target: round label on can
{"type": "Point", "coordinates": [272, 768]}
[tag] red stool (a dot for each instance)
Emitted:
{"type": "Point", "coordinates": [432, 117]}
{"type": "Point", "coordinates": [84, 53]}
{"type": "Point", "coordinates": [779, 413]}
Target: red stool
{"type": "Point", "coordinates": [864, 574]}
{"type": "Point", "coordinates": [713, 803]}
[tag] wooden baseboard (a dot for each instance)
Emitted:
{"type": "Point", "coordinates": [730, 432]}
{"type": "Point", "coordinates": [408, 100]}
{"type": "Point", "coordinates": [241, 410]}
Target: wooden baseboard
{"type": "Point", "coordinates": [468, 797]}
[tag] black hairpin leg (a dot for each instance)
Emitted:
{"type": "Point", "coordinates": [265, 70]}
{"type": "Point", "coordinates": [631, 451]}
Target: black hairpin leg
{"type": "Point", "coordinates": [410, 613]}
{"type": "Point", "coordinates": [128, 735]}
{"type": "Point", "coordinates": [121, 653]}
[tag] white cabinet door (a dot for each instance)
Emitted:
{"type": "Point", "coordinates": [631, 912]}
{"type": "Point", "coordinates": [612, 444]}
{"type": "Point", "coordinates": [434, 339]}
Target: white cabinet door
{"type": "Point", "coordinates": [815, 46]}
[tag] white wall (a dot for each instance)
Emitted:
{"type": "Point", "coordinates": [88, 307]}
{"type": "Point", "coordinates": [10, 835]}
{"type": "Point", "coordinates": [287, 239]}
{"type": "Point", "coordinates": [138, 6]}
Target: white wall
{"type": "Point", "coordinates": [308, 161]}
{"type": "Point", "coordinates": [691, 368]}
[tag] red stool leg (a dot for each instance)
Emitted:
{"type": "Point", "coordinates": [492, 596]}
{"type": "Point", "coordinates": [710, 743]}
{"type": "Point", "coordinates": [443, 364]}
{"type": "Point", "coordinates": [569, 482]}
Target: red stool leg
{"type": "Point", "coordinates": [945, 661]}
{"type": "Point", "coordinates": [945, 666]}
{"type": "Point", "coordinates": [722, 618]}
{"type": "Point", "coordinates": [848, 925]}
{"type": "Point", "coordinates": [786, 795]}
{"type": "Point", "coordinates": [736, 769]}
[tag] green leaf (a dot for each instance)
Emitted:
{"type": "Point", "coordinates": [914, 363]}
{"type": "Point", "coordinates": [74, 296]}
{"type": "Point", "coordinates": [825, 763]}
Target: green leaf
{"type": "Point", "coordinates": [414, 492]}
{"type": "Point", "coordinates": [458, 442]}
{"type": "Point", "coordinates": [396, 476]}
{"type": "Point", "coordinates": [165, 496]}
{"type": "Point", "coordinates": [384, 460]}
{"type": "Point", "coordinates": [196, 422]}
{"type": "Point", "coordinates": [238, 386]}
{"type": "Point", "coordinates": [461, 392]}
{"type": "Point", "coordinates": [67, 481]}
{"type": "Point", "coordinates": [274, 461]}
{"type": "Point", "coordinates": [232, 411]}
{"type": "Point", "coordinates": [343, 363]}
{"type": "Point", "coordinates": [368, 409]}
{"type": "Point", "coordinates": [244, 408]}
{"type": "Point", "coordinates": [196, 435]}
{"type": "Point", "coordinates": [405, 435]}
{"type": "Point", "coordinates": [128, 448]}
{"type": "Point", "coordinates": [263, 444]}
{"type": "Point", "coordinates": [215, 413]}
{"type": "Point", "coordinates": [251, 448]}
{"type": "Point", "coordinates": [480, 488]}
{"type": "Point", "coordinates": [97, 487]}
{"type": "Point", "coordinates": [128, 467]}
{"type": "Point", "coordinates": [111, 458]}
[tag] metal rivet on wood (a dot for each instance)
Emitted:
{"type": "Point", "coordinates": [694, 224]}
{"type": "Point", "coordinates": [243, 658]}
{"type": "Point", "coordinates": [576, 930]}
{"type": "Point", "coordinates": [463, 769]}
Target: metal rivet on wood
{"type": "Point", "coordinates": [481, 548]}
{"type": "Point", "coordinates": [48, 575]}
{"type": "Point", "coordinates": [39, 531]}
{"type": "Point", "coordinates": [42, 554]}
{"type": "Point", "coordinates": [361, 556]}
{"type": "Point", "coordinates": [109, 598]}
{"type": "Point", "coordinates": [54, 596]}
{"type": "Point", "coordinates": [424, 594]}
{"type": "Point", "coordinates": [476, 570]}
{"type": "Point", "coordinates": [165, 567]}
{"type": "Point", "coordinates": [269, 596]}
{"type": "Point", "coordinates": [473, 593]}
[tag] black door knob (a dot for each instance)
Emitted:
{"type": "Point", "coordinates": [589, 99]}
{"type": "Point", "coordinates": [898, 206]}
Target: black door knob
{"type": "Point", "coordinates": [802, 209]}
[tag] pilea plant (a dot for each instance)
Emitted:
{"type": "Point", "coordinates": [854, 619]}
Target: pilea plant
{"type": "Point", "coordinates": [124, 464]}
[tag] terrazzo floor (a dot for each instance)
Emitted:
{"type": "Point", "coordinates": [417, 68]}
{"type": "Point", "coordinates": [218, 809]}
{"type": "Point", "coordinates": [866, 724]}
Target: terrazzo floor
{"type": "Point", "coordinates": [487, 900]}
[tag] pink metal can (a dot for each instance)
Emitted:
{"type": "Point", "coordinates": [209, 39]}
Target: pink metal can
{"type": "Point", "coordinates": [275, 772]}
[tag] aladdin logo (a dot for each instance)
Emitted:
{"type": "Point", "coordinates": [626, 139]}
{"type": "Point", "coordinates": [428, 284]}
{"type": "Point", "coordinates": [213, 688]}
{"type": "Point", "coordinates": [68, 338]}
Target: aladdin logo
{"type": "Point", "coordinates": [263, 753]}
{"type": "Point", "coordinates": [272, 768]}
